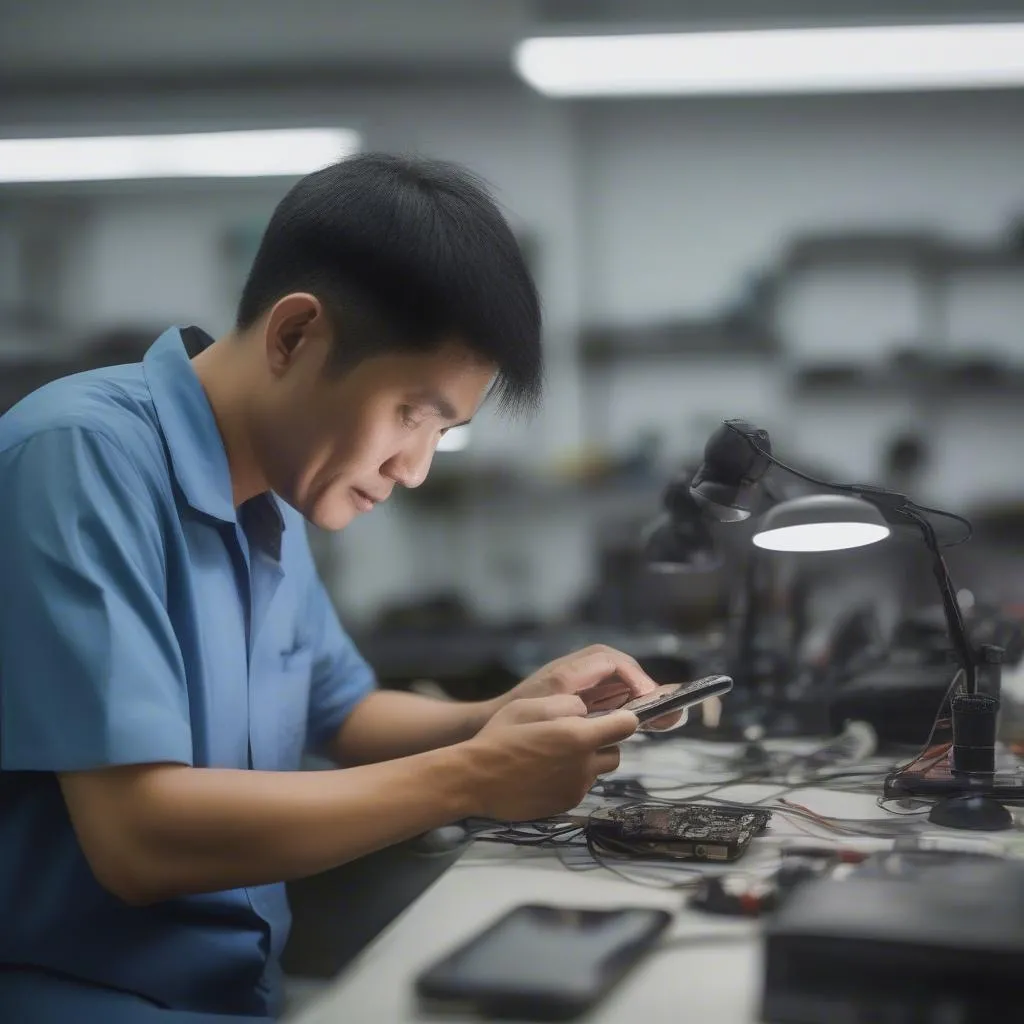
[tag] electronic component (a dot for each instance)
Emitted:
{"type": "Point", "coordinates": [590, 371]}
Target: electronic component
{"type": "Point", "coordinates": [796, 871]}
{"type": "Point", "coordinates": [733, 896]}
{"type": "Point", "coordinates": [684, 831]}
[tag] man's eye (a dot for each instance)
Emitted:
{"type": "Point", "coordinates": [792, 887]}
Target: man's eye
{"type": "Point", "coordinates": [408, 416]}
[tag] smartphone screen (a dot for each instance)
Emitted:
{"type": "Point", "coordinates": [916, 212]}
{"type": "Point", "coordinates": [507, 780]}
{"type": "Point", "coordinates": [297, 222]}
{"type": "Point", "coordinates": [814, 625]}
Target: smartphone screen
{"type": "Point", "coordinates": [545, 962]}
{"type": "Point", "coordinates": [673, 696]}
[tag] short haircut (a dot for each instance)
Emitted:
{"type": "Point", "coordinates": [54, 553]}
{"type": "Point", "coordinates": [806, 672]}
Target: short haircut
{"type": "Point", "coordinates": [404, 254]}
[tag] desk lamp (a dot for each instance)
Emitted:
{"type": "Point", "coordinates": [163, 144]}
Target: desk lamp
{"type": "Point", "coordinates": [736, 457]}
{"type": "Point", "coordinates": [680, 540]}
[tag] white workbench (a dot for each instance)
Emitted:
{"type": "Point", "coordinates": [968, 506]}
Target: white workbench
{"type": "Point", "coordinates": [707, 971]}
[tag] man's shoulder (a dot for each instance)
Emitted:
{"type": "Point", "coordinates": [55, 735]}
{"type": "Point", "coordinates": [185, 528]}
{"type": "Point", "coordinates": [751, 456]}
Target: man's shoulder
{"type": "Point", "coordinates": [112, 404]}
{"type": "Point", "coordinates": [113, 401]}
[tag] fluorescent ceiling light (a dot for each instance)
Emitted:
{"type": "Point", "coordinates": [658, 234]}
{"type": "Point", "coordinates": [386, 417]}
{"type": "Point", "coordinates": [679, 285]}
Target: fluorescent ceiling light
{"type": "Point", "coordinates": [242, 154]}
{"type": "Point", "coordinates": [911, 57]}
{"type": "Point", "coordinates": [455, 440]}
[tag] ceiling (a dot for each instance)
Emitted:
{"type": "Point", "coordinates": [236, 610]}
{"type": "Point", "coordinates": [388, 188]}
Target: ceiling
{"type": "Point", "coordinates": [69, 44]}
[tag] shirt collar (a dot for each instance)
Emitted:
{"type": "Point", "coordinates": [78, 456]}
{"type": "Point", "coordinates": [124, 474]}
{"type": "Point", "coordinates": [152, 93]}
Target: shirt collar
{"type": "Point", "coordinates": [196, 449]}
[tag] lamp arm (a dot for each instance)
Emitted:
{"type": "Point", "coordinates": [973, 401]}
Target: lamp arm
{"type": "Point", "coordinates": [954, 617]}
{"type": "Point", "coordinates": [899, 507]}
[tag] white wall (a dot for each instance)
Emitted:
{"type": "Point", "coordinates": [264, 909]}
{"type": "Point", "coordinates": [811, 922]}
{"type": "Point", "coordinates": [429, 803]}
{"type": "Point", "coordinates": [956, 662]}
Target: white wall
{"type": "Point", "coordinates": [684, 200]}
{"type": "Point", "coordinates": [642, 210]}
{"type": "Point", "coordinates": [688, 197]}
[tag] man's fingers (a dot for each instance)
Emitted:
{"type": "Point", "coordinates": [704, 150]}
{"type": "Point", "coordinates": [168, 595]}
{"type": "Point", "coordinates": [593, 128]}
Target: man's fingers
{"type": "Point", "coordinates": [589, 669]}
{"type": "Point", "coordinates": [609, 703]}
{"type": "Point", "coordinates": [670, 721]}
{"type": "Point", "coordinates": [606, 761]}
{"type": "Point", "coordinates": [544, 709]}
{"type": "Point", "coordinates": [610, 693]}
{"type": "Point", "coordinates": [609, 729]}
{"type": "Point", "coordinates": [612, 685]}
{"type": "Point", "coordinates": [636, 679]}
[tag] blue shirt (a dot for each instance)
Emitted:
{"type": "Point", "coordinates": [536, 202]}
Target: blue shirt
{"type": "Point", "coordinates": [143, 619]}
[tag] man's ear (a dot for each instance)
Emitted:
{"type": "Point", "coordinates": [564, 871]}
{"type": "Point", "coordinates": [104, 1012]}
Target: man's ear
{"type": "Point", "coordinates": [294, 323]}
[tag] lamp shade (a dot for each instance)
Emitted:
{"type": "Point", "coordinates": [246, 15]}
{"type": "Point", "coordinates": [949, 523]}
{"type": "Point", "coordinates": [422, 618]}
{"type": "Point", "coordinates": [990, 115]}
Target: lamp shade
{"type": "Point", "coordinates": [821, 522]}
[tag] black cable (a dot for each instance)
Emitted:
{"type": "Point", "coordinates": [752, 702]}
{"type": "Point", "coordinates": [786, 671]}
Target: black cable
{"type": "Point", "coordinates": [776, 762]}
{"type": "Point", "coordinates": [558, 833]}
{"type": "Point", "coordinates": [949, 515]}
{"type": "Point", "coordinates": [546, 832]}
{"type": "Point", "coordinates": [864, 491]}
{"type": "Point", "coordinates": [957, 676]}
{"type": "Point", "coordinates": [602, 858]}
{"type": "Point", "coordinates": [779, 763]}
{"type": "Point", "coordinates": [513, 838]}
{"type": "Point", "coordinates": [782, 789]}
{"type": "Point", "coordinates": [849, 826]}
{"type": "Point", "coordinates": [641, 793]}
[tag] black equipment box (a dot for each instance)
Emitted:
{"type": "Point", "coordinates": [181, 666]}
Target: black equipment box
{"type": "Point", "coordinates": [907, 938]}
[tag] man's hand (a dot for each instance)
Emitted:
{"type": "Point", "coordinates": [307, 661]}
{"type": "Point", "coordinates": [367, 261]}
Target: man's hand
{"type": "Point", "coordinates": [540, 756]}
{"type": "Point", "coordinates": [601, 676]}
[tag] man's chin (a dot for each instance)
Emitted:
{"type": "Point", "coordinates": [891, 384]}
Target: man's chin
{"type": "Point", "coordinates": [335, 514]}
{"type": "Point", "coordinates": [332, 520]}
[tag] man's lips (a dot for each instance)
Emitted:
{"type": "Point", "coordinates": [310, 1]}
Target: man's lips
{"type": "Point", "coordinates": [364, 500]}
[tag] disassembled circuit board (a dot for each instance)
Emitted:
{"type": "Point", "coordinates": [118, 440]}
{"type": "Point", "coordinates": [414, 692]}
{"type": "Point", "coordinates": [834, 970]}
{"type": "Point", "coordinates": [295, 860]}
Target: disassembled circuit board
{"type": "Point", "coordinates": [687, 831]}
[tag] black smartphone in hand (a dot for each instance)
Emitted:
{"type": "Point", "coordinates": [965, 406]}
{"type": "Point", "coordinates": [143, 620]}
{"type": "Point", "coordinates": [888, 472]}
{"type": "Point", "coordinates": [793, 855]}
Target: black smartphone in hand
{"type": "Point", "coordinates": [541, 962]}
{"type": "Point", "coordinates": [672, 697]}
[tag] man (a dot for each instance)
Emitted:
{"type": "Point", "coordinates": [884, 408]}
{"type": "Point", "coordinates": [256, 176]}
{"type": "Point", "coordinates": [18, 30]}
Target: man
{"type": "Point", "coordinates": [167, 651]}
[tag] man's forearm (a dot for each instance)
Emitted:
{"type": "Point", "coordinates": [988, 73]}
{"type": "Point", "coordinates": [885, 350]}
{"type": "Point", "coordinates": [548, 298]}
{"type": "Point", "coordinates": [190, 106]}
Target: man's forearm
{"type": "Point", "coordinates": [156, 831]}
{"type": "Point", "coordinates": [391, 723]}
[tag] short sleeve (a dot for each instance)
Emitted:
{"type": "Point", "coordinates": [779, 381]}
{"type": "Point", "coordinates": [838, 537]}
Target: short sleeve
{"type": "Point", "coordinates": [341, 676]}
{"type": "Point", "coordinates": [90, 669]}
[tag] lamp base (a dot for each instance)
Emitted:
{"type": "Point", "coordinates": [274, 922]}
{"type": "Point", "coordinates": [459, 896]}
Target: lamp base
{"type": "Point", "coordinates": [974, 811]}
{"type": "Point", "coordinates": [931, 778]}
{"type": "Point", "coordinates": [964, 801]}
{"type": "Point", "coordinates": [961, 773]}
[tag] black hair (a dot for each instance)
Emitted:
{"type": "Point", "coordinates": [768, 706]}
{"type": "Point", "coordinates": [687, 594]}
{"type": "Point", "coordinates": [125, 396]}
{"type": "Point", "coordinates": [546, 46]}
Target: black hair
{"type": "Point", "coordinates": [404, 253]}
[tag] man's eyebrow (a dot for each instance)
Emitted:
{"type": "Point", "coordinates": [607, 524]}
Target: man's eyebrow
{"type": "Point", "coordinates": [440, 404]}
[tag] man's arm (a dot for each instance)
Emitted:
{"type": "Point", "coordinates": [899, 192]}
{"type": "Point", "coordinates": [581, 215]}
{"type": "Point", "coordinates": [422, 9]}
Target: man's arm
{"type": "Point", "coordinates": [389, 723]}
{"type": "Point", "coordinates": [352, 722]}
{"type": "Point", "coordinates": [152, 832]}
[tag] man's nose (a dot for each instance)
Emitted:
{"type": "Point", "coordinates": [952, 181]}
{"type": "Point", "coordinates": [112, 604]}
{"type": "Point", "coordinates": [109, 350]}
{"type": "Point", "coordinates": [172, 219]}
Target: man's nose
{"type": "Point", "coordinates": [411, 466]}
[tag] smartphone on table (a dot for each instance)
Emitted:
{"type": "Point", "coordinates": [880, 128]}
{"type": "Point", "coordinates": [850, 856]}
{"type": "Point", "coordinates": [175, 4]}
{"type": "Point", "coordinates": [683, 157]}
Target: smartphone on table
{"type": "Point", "coordinates": [542, 962]}
{"type": "Point", "coordinates": [672, 697]}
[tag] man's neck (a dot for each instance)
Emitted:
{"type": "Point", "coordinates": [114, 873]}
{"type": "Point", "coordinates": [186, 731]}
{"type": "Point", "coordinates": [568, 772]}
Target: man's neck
{"type": "Point", "coordinates": [220, 369]}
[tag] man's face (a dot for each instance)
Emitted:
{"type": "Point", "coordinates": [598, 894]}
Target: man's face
{"type": "Point", "coordinates": [335, 445]}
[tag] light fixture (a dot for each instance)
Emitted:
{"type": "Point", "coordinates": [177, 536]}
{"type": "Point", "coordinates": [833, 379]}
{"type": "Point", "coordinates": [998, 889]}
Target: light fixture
{"type": "Point", "coordinates": [736, 458]}
{"type": "Point", "coordinates": [792, 60]}
{"type": "Point", "coordinates": [820, 522]}
{"type": "Point", "coordinates": [234, 154]}
{"type": "Point", "coordinates": [679, 540]}
{"type": "Point", "coordinates": [455, 440]}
